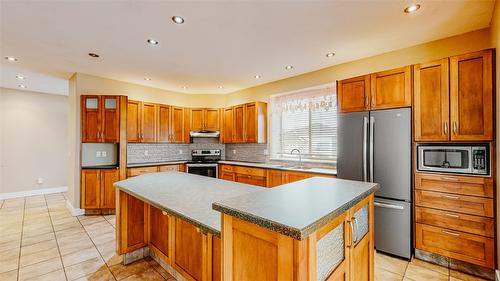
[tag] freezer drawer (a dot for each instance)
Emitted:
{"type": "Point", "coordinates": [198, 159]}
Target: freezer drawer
{"type": "Point", "coordinates": [393, 227]}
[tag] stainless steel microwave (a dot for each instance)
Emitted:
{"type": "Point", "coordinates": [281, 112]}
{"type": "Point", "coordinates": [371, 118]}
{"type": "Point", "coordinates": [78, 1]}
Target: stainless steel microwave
{"type": "Point", "coordinates": [463, 159]}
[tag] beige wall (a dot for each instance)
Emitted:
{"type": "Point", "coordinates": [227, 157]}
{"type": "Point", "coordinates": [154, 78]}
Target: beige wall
{"type": "Point", "coordinates": [33, 131]}
{"type": "Point", "coordinates": [455, 45]}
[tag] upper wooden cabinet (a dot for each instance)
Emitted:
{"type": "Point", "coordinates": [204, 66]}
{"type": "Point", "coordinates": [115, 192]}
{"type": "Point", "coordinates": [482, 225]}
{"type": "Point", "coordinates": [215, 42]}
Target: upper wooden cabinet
{"type": "Point", "coordinates": [170, 124]}
{"type": "Point", "coordinates": [354, 94]}
{"type": "Point", "coordinates": [142, 121]}
{"type": "Point", "coordinates": [391, 88]}
{"type": "Point", "coordinates": [431, 103]}
{"type": "Point", "coordinates": [464, 110]}
{"type": "Point", "coordinates": [245, 123]}
{"type": "Point", "coordinates": [100, 120]}
{"type": "Point", "coordinates": [381, 90]}
{"type": "Point", "coordinates": [471, 96]}
{"type": "Point", "coordinates": [204, 119]}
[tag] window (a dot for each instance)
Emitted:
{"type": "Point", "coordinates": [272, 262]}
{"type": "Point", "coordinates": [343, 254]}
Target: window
{"type": "Point", "coordinates": [305, 120]}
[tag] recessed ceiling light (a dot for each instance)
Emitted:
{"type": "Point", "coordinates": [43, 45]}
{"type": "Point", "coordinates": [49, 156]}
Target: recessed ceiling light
{"type": "Point", "coordinates": [153, 42]}
{"type": "Point", "coordinates": [221, 87]}
{"type": "Point", "coordinates": [147, 78]}
{"type": "Point", "coordinates": [257, 76]}
{"type": "Point", "coordinates": [178, 19]}
{"type": "Point", "coordinates": [94, 55]}
{"type": "Point", "coordinates": [21, 86]}
{"type": "Point", "coordinates": [11, 58]}
{"type": "Point", "coordinates": [412, 8]}
{"type": "Point", "coordinates": [288, 67]}
{"type": "Point", "coordinates": [20, 77]}
{"type": "Point", "coordinates": [329, 55]}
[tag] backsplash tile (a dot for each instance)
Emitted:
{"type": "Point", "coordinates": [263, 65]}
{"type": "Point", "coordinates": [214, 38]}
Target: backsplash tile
{"type": "Point", "coordinates": [247, 152]}
{"type": "Point", "coordinates": [208, 143]}
{"type": "Point", "coordinates": [157, 152]}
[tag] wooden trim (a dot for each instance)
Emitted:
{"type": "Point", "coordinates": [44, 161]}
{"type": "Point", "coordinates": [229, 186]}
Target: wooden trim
{"type": "Point", "coordinates": [227, 247]}
{"type": "Point", "coordinates": [123, 138]}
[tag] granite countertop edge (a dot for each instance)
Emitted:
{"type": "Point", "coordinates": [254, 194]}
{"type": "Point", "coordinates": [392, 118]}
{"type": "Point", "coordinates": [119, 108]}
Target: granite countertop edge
{"type": "Point", "coordinates": [169, 211]}
{"type": "Point", "coordinates": [149, 164]}
{"type": "Point", "coordinates": [295, 233]}
{"type": "Point", "coordinates": [323, 171]}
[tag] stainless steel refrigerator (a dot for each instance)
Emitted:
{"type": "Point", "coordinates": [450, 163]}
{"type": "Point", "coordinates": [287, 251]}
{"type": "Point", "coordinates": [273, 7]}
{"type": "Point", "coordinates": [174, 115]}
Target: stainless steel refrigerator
{"type": "Point", "coordinates": [375, 146]}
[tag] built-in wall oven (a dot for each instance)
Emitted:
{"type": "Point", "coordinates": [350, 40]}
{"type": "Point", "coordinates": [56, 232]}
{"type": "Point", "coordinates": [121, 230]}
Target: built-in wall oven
{"type": "Point", "coordinates": [462, 159]}
{"type": "Point", "coordinates": [204, 162]}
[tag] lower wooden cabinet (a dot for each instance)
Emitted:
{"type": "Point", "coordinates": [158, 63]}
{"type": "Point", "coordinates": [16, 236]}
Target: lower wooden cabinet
{"type": "Point", "coordinates": [97, 190]}
{"type": "Point", "coordinates": [455, 244]}
{"type": "Point", "coordinates": [159, 231]}
{"type": "Point", "coordinates": [132, 172]}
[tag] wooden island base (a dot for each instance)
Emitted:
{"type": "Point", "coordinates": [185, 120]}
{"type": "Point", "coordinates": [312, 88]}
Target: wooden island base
{"type": "Point", "coordinates": [342, 249]}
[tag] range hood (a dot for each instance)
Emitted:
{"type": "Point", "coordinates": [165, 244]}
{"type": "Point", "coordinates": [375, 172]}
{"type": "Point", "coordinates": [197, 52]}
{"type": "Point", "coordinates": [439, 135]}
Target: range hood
{"type": "Point", "coordinates": [204, 134]}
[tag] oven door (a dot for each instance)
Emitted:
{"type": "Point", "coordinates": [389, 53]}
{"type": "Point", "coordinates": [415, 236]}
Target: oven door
{"type": "Point", "coordinates": [207, 170]}
{"type": "Point", "coordinates": [451, 159]}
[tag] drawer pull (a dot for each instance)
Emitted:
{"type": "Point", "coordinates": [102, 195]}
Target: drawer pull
{"type": "Point", "coordinates": [450, 233]}
{"type": "Point", "coordinates": [450, 197]}
{"type": "Point", "coordinates": [453, 216]}
{"type": "Point", "coordinates": [450, 179]}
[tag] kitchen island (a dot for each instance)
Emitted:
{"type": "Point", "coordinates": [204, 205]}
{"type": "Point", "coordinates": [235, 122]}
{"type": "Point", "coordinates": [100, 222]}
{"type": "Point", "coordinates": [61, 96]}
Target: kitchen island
{"type": "Point", "coordinates": [201, 228]}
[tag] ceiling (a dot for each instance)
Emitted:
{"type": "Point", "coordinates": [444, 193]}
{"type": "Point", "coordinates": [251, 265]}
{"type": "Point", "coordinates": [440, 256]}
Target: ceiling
{"type": "Point", "coordinates": [221, 43]}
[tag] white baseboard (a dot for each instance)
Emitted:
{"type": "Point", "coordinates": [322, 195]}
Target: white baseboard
{"type": "Point", "coordinates": [497, 275]}
{"type": "Point", "coordinates": [19, 194]}
{"type": "Point", "coordinates": [74, 211]}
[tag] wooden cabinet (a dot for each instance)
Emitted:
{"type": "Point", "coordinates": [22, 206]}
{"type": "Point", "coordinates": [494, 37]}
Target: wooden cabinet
{"type": "Point", "coordinates": [100, 118]}
{"type": "Point", "coordinates": [175, 167]}
{"type": "Point", "coordinates": [246, 123]}
{"type": "Point", "coordinates": [132, 172]}
{"type": "Point", "coordinates": [160, 232]}
{"type": "Point", "coordinates": [204, 119]}
{"type": "Point", "coordinates": [362, 242]}
{"type": "Point", "coordinates": [431, 103]}
{"type": "Point", "coordinates": [239, 124]}
{"type": "Point", "coordinates": [228, 125]}
{"type": "Point", "coordinates": [275, 178]}
{"type": "Point", "coordinates": [141, 122]}
{"type": "Point", "coordinates": [391, 88]}
{"type": "Point", "coordinates": [471, 96]}
{"type": "Point", "coordinates": [385, 89]}
{"type": "Point", "coordinates": [291, 176]}
{"type": "Point", "coordinates": [229, 176]}
{"type": "Point", "coordinates": [97, 190]}
{"type": "Point", "coordinates": [354, 94]}
{"type": "Point", "coordinates": [464, 110]}
{"type": "Point", "coordinates": [170, 124]}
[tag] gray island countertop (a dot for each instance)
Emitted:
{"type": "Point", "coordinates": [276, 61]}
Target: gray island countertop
{"type": "Point", "coordinates": [296, 209]}
{"type": "Point", "coordinates": [300, 208]}
{"type": "Point", "coordinates": [187, 196]}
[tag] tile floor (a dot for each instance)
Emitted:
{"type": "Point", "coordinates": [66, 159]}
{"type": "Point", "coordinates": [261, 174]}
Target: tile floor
{"type": "Point", "coordinates": [40, 240]}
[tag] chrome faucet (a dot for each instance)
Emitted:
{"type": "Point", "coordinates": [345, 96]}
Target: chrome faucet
{"type": "Point", "coordinates": [300, 156]}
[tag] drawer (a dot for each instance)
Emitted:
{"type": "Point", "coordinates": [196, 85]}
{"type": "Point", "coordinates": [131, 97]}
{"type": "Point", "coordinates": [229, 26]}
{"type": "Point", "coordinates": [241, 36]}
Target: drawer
{"type": "Point", "coordinates": [167, 168]}
{"type": "Point", "coordinates": [253, 180]}
{"type": "Point", "coordinates": [226, 168]}
{"type": "Point", "coordinates": [460, 222]}
{"type": "Point", "coordinates": [454, 244]}
{"type": "Point", "coordinates": [132, 172]}
{"type": "Point", "coordinates": [250, 171]}
{"type": "Point", "coordinates": [458, 203]}
{"type": "Point", "coordinates": [475, 186]}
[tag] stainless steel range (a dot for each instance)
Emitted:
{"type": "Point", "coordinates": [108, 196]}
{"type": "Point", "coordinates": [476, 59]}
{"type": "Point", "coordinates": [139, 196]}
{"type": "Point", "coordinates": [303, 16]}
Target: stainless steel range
{"type": "Point", "coordinates": [204, 162]}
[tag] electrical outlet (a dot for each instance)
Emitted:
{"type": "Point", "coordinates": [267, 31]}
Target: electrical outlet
{"type": "Point", "coordinates": [234, 151]}
{"type": "Point", "coordinates": [146, 153]}
{"type": "Point", "coordinates": [266, 151]}
{"type": "Point", "coordinates": [39, 181]}
{"type": "Point", "coordinates": [104, 154]}
{"type": "Point", "coordinates": [98, 154]}
{"type": "Point", "coordinates": [180, 151]}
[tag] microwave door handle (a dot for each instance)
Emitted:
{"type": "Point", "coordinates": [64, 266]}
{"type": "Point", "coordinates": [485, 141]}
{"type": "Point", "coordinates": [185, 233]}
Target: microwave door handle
{"type": "Point", "coordinates": [372, 131]}
{"type": "Point", "coordinates": [365, 148]}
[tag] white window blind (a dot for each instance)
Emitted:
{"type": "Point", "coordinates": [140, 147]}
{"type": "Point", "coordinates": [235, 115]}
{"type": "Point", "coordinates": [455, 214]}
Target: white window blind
{"type": "Point", "coordinates": [305, 120]}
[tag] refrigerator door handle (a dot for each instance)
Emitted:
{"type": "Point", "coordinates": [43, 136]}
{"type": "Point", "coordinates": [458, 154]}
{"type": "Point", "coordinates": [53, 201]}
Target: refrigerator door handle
{"type": "Point", "coordinates": [372, 126]}
{"type": "Point", "coordinates": [365, 148]}
{"type": "Point", "coordinates": [388, 206]}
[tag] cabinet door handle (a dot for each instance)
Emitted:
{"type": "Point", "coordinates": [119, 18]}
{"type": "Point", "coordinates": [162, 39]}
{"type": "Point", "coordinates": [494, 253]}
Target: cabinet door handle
{"type": "Point", "coordinates": [445, 128]}
{"type": "Point", "coordinates": [452, 215]}
{"type": "Point", "coordinates": [449, 179]}
{"type": "Point", "coordinates": [373, 101]}
{"type": "Point", "coordinates": [367, 102]}
{"type": "Point", "coordinates": [351, 225]}
{"type": "Point", "coordinates": [450, 197]}
{"type": "Point", "coordinates": [450, 233]}
{"type": "Point", "coordinates": [455, 127]}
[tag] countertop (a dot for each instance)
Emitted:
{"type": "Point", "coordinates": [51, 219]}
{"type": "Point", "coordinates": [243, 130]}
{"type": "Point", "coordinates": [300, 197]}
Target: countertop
{"type": "Point", "coordinates": [324, 171]}
{"type": "Point", "coordinates": [149, 164]}
{"type": "Point", "coordinates": [101, 167]}
{"type": "Point", "coordinates": [300, 208]}
{"type": "Point", "coordinates": [187, 196]}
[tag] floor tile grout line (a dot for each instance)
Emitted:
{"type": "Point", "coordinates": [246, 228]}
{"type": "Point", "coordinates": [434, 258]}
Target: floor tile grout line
{"type": "Point", "coordinates": [21, 241]}
{"type": "Point", "coordinates": [55, 237]}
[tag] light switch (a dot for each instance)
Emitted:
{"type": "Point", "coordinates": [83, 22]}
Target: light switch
{"type": "Point", "coordinates": [104, 154]}
{"type": "Point", "coordinates": [234, 151]}
{"type": "Point", "coordinates": [266, 151]}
